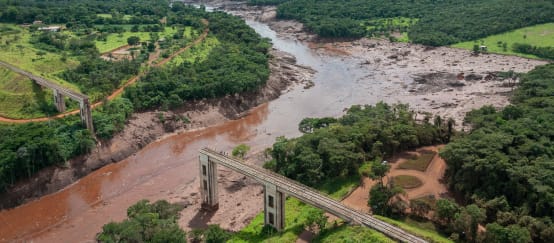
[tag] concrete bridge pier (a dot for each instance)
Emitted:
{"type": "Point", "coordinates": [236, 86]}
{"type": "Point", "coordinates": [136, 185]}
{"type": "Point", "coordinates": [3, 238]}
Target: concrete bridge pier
{"type": "Point", "coordinates": [59, 101]}
{"type": "Point", "coordinates": [208, 183]}
{"type": "Point", "coordinates": [86, 114]}
{"type": "Point", "coordinates": [274, 207]}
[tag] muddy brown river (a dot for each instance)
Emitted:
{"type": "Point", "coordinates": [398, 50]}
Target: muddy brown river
{"type": "Point", "coordinates": [77, 213]}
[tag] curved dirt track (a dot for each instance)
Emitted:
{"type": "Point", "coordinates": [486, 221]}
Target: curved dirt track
{"type": "Point", "coordinates": [431, 179]}
{"type": "Point", "coordinates": [118, 91]}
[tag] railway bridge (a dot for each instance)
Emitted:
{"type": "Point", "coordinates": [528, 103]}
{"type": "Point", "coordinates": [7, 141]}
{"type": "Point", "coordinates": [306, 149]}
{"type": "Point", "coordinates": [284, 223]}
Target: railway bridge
{"type": "Point", "coordinates": [59, 93]}
{"type": "Point", "coordinates": [276, 187]}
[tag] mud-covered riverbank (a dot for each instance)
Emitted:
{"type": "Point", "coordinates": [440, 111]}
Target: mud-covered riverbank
{"type": "Point", "coordinates": [439, 81]}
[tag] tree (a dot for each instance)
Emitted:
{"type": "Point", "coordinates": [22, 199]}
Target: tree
{"type": "Point", "coordinates": [379, 170]}
{"type": "Point", "coordinates": [135, 28]}
{"type": "Point", "coordinates": [133, 40]}
{"type": "Point", "coordinates": [512, 234]}
{"type": "Point", "coordinates": [316, 217]}
{"type": "Point", "coordinates": [450, 123]}
{"type": "Point", "coordinates": [146, 222]}
{"type": "Point", "coordinates": [151, 46]}
{"type": "Point", "coordinates": [215, 234]}
{"type": "Point", "coordinates": [241, 150]}
{"type": "Point", "coordinates": [445, 210]}
{"type": "Point", "coordinates": [476, 49]}
{"type": "Point", "coordinates": [467, 220]}
{"type": "Point", "coordinates": [420, 207]}
{"type": "Point", "coordinates": [384, 200]}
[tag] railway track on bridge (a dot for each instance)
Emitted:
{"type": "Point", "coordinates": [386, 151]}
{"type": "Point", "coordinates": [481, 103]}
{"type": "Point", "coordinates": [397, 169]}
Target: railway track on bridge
{"type": "Point", "coordinates": [311, 196]}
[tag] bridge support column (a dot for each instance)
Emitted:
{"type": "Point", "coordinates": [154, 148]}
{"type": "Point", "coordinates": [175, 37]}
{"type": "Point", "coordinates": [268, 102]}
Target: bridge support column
{"type": "Point", "coordinates": [274, 207]}
{"type": "Point", "coordinates": [59, 101]}
{"type": "Point", "coordinates": [86, 115]}
{"type": "Point", "coordinates": [208, 183]}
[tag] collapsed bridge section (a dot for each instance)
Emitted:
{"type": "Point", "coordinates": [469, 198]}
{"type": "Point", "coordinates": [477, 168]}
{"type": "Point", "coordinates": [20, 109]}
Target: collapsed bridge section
{"type": "Point", "coordinates": [276, 187]}
{"type": "Point", "coordinates": [59, 93]}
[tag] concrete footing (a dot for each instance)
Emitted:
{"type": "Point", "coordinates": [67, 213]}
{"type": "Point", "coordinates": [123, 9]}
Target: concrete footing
{"type": "Point", "coordinates": [208, 183]}
{"type": "Point", "coordinates": [274, 207]}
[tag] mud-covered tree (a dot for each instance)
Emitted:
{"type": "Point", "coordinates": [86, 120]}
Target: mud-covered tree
{"type": "Point", "coordinates": [240, 151]}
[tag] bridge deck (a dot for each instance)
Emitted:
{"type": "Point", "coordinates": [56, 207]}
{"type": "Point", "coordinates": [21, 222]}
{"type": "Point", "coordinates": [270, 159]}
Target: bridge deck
{"type": "Point", "coordinates": [47, 83]}
{"type": "Point", "coordinates": [310, 196]}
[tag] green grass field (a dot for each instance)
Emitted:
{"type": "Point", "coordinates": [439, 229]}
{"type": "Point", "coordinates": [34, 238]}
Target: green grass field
{"type": "Point", "coordinates": [115, 40]}
{"type": "Point", "coordinates": [347, 234]}
{"type": "Point", "coordinates": [407, 182]}
{"type": "Point", "coordinates": [196, 53]}
{"type": "Point", "coordinates": [22, 54]}
{"type": "Point", "coordinates": [538, 35]}
{"type": "Point", "coordinates": [109, 16]}
{"type": "Point", "coordinates": [420, 162]}
{"type": "Point", "coordinates": [423, 229]}
{"type": "Point", "coordinates": [21, 98]}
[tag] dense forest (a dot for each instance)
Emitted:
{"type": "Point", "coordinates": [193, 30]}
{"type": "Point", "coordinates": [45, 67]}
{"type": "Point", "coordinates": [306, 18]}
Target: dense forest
{"type": "Point", "coordinates": [239, 63]}
{"type": "Point", "coordinates": [439, 22]}
{"type": "Point", "coordinates": [83, 12]}
{"type": "Point", "coordinates": [338, 148]}
{"type": "Point", "coordinates": [27, 148]}
{"type": "Point", "coordinates": [506, 163]}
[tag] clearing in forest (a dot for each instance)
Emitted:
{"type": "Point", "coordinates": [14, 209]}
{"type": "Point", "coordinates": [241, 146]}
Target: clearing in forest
{"type": "Point", "coordinates": [541, 35]}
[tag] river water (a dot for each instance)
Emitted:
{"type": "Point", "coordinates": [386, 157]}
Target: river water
{"type": "Point", "coordinates": [78, 212]}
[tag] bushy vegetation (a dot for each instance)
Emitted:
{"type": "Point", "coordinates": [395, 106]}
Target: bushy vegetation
{"type": "Point", "coordinates": [146, 222]}
{"type": "Point", "coordinates": [505, 164]}
{"type": "Point", "coordinates": [338, 149]}
{"type": "Point", "coordinates": [237, 64]}
{"type": "Point", "coordinates": [440, 22]}
{"type": "Point", "coordinates": [110, 118]}
{"type": "Point", "coordinates": [100, 77]}
{"type": "Point", "coordinates": [546, 52]}
{"type": "Point", "coordinates": [427, 231]}
{"type": "Point", "coordinates": [27, 148]}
